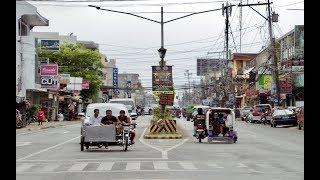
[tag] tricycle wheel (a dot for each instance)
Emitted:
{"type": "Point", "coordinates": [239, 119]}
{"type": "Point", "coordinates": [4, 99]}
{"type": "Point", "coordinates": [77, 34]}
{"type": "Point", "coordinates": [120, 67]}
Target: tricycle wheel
{"type": "Point", "coordinates": [82, 144]}
{"type": "Point", "coordinates": [235, 139]}
{"type": "Point", "coordinates": [299, 126]}
{"type": "Point", "coordinates": [199, 140]}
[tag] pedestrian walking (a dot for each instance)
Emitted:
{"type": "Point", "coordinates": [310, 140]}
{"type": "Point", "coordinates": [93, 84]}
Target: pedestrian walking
{"type": "Point", "coordinates": [40, 116]}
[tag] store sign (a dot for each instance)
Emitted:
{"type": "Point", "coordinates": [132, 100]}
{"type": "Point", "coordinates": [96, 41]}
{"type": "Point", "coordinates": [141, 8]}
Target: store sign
{"type": "Point", "coordinates": [115, 79]}
{"type": "Point", "coordinates": [49, 82]}
{"type": "Point", "coordinates": [49, 70]}
{"type": "Point", "coordinates": [49, 44]}
{"type": "Point", "coordinates": [166, 99]}
{"type": "Point", "coordinates": [162, 78]}
{"type": "Point", "coordinates": [264, 83]}
{"type": "Point", "coordinates": [85, 84]}
{"type": "Point", "coordinates": [285, 84]}
{"type": "Point", "coordinates": [64, 78]}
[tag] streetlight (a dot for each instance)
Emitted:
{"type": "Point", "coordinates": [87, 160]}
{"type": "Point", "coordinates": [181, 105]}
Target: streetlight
{"type": "Point", "coordinates": [162, 53]}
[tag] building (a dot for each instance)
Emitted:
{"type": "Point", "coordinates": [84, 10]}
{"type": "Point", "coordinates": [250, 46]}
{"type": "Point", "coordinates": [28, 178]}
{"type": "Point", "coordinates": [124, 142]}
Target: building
{"type": "Point", "coordinates": [109, 76]}
{"type": "Point", "coordinates": [291, 66]}
{"type": "Point", "coordinates": [241, 73]}
{"type": "Point", "coordinates": [27, 17]}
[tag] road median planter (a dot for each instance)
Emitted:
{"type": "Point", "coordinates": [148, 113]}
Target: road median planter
{"type": "Point", "coordinates": [163, 129]}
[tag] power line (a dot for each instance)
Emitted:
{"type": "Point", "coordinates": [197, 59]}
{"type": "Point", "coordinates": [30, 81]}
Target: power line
{"type": "Point", "coordinates": [291, 4]}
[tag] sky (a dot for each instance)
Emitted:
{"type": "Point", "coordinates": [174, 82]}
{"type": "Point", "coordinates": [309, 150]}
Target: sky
{"type": "Point", "coordinates": [134, 42]}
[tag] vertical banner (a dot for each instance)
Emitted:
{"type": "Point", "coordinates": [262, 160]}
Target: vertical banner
{"type": "Point", "coordinates": [115, 80]}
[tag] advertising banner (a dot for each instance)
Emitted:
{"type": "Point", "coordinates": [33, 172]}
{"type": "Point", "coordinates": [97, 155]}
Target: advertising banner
{"type": "Point", "coordinates": [166, 99]}
{"type": "Point", "coordinates": [49, 70]}
{"type": "Point", "coordinates": [162, 78]}
{"type": "Point", "coordinates": [49, 82]}
{"type": "Point", "coordinates": [115, 79]}
{"type": "Point", "coordinates": [49, 44]}
{"type": "Point", "coordinates": [264, 83]}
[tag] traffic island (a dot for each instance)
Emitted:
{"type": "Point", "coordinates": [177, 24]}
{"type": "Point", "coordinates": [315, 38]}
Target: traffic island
{"type": "Point", "coordinates": [163, 129]}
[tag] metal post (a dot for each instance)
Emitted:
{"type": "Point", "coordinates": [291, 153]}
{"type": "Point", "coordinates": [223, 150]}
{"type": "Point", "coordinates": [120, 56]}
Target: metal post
{"type": "Point", "coordinates": [275, 62]}
{"type": "Point", "coordinates": [162, 46]}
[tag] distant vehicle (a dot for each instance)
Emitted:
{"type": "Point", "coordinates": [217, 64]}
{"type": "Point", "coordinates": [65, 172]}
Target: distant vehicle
{"type": "Point", "coordinates": [259, 110]}
{"type": "Point", "coordinates": [129, 103]}
{"type": "Point", "coordinates": [283, 117]}
{"type": "Point", "coordinates": [244, 112]}
{"type": "Point", "coordinates": [300, 117]}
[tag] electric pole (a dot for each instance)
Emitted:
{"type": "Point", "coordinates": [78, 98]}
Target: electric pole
{"type": "Point", "coordinates": [188, 74]}
{"type": "Point", "coordinates": [240, 23]}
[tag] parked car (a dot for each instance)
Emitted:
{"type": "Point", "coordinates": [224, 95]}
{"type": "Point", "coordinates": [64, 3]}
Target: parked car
{"type": "Point", "coordinates": [258, 110]}
{"type": "Point", "coordinates": [300, 117]}
{"type": "Point", "coordinates": [283, 117]}
{"type": "Point", "coordinates": [244, 112]}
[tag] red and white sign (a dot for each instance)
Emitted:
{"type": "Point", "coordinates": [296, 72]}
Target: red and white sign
{"type": "Point", "coordinates": [49, 70]}
{"type": "Point", "coordinates": [85, 84]}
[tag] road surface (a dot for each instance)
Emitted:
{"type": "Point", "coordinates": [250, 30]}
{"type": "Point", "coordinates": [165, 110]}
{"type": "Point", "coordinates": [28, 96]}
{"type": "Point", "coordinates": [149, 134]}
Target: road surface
{"type": "Point", "coordinates": [261, 153]}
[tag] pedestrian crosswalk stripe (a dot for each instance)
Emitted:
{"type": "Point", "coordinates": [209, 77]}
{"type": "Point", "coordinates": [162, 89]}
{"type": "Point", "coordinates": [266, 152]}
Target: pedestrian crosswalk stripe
{"type": "Point", "coordinates": [24, 167]}
{"type": "Point", "coordinates": [78, 167]}
{"type": "Point", "coordinates": [241, 165]}
{"type": "Point", "coordinates": [133, 166]}
{"type": "Point", "coordinates": [105, 166]}
{"type": "Point", "coordinates": [159, 165]}
{"type": "Point", "coordinates": [214, 165]}
{"type": "Point", "coordinates": [50, 167]}
{"type": "Point", "coordinates": [187, 165]}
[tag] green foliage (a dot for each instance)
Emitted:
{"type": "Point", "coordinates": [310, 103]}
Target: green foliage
{"type": "Point", "coordinates": [157, 114]}
{"type": "Point", "coordinates": [33, 110]}
{"type": "Point", "coordinates": [79, 62]}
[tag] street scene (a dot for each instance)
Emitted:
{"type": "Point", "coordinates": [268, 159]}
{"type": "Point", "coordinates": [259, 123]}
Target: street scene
{"type": "Point", "coordinates": [150, 89]}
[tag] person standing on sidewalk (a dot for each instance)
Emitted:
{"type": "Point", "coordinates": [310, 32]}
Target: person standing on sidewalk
{"type": "Point", "coordinates": [40, 116]}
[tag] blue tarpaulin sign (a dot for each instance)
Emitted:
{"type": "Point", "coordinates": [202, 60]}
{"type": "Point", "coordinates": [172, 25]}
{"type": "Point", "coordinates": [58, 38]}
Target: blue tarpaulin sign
{"type": "Point", "coordinates": [115, 79]}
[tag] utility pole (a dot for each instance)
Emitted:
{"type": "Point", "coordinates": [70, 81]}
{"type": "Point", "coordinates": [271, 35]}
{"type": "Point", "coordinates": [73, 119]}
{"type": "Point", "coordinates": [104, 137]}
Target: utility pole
{"type": "Point", "coordinates": [240, 23]}
{"type": "Point", "coordinates": [187, 73]}
{"type": "Point", "coordinates": [274, 68]}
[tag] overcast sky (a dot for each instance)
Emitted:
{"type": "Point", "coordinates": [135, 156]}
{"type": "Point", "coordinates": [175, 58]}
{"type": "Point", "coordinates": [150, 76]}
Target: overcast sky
{"type": "Point", "coordinates": [134, 42]}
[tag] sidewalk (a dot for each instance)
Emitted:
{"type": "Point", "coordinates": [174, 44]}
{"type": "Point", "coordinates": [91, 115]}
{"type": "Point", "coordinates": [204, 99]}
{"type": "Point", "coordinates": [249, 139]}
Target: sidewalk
{"type": "Point", "coordinates": [45, 125]}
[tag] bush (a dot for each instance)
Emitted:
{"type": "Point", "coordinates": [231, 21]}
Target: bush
{"type": "Point", "coordinates": [157, 114]}
{"type": "Point", "coordinates": [33, 110]}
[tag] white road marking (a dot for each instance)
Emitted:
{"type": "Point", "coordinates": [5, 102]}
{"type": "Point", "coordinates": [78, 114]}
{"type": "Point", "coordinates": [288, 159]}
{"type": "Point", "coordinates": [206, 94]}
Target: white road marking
{"type": "Point", "coordinates": [214, 165]}
{"type": "Point", "coordinates": [78, 167]}
{"type": "Point", "coordinates": [23, 167]}
{"type": "Point", "coordinates": [50, 167]}
{"type": "Point", "coordinates": [44, 150]}
{"type": "Point", "coordinates": [133, 166]}
{"type": "Point", "coordinates": [187, 165]}
{"type": "Point", "coordinates": [241, 165]}
{"type": "Point", "coordinates": [105, 166]}
{"type": "Point", "coordinates": [18, 144]}
{"type": "Point", "coordinates": [160, 165]}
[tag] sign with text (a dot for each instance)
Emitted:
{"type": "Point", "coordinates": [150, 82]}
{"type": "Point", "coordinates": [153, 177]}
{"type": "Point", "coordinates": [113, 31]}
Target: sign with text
{"type": "Point", "coordinates": [166, 99]}
{"type": "Point", "coordinates": [162, 78]}
{"type": "Point", "coordinates": [49, 70]}
{"type": "Point", "coordinates": [64, 78]}
{"type": "Point", "coordinates": [49, 44]}
{"type": "Point", "coordinates": [49, 82]}
{"type": "Point", "coordinates": [285, 84]}
{"type": "Point", "coordinates": [115, 79]}
{"type": "Point", "coordinates": [85, 84]}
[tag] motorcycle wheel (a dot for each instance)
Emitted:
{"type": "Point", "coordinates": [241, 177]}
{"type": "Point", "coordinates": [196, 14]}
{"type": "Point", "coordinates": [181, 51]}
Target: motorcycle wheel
{"type": "Point", "coordinates": [82, 144]}
{"type": "Point", "coordinates": [125, 144]}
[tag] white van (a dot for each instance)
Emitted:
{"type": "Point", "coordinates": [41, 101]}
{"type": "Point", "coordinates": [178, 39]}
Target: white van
{"type": "Point", "coordinates": [129, 103]}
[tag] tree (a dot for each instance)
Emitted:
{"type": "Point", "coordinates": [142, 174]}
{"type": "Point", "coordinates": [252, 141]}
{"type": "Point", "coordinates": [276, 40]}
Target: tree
{"type": "Point", "coordinates": [79, 62]}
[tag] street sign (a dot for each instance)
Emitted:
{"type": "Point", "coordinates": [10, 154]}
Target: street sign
{"type": "Point", "coordinates": [162, 78]}
{"type": "Point", "coordinates": [115, 79]}
{"type": "Point", "coordinates": [166, 99]}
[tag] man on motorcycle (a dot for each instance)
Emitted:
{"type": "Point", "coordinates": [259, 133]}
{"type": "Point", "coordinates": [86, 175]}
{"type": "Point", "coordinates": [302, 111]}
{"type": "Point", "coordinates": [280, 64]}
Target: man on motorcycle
{"type": "Point", "coordinates": [123, 119]}
{"type": "Point", "coordinates": [200, 118]}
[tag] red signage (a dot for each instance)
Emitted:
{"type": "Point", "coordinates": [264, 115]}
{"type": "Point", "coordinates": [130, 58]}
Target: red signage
{"type": "Point", "coordinates": [166, 99]}
{"type": "Point", "coordinates": [49, 70]}
{"type": "Point", "coordinates": [285, 85]}
{"type": "Point", "coordinates": [85, 84]}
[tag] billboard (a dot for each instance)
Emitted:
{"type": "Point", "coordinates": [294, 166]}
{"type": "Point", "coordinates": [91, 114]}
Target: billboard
{"type": "Point", "coordinates": [299, 41]}
{"type": "Point", "coordinates": [162, 78]}
{"type": "Point", "coordinates": [206, 65]}
{"type": "Point", "coordinates": [49, 44]}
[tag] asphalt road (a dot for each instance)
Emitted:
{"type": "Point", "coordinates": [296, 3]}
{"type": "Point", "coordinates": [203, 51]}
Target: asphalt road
{"type": "Point", "coordinates": [261, 152]}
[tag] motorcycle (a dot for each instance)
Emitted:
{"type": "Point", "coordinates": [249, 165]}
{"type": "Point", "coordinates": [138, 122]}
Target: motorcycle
{"type": "Point", "coordinates": [200, 132]}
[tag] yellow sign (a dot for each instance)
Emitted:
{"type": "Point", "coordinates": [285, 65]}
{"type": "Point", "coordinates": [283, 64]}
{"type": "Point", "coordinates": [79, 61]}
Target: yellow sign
{"type": "Point", "coordinates": [267, 82]}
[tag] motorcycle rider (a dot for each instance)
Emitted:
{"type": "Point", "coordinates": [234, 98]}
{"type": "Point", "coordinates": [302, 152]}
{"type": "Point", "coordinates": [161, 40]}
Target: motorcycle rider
{"type": "Point", "coordinates": [200, 118]}
{"type": "Point", "coordinates": [125, 119]}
